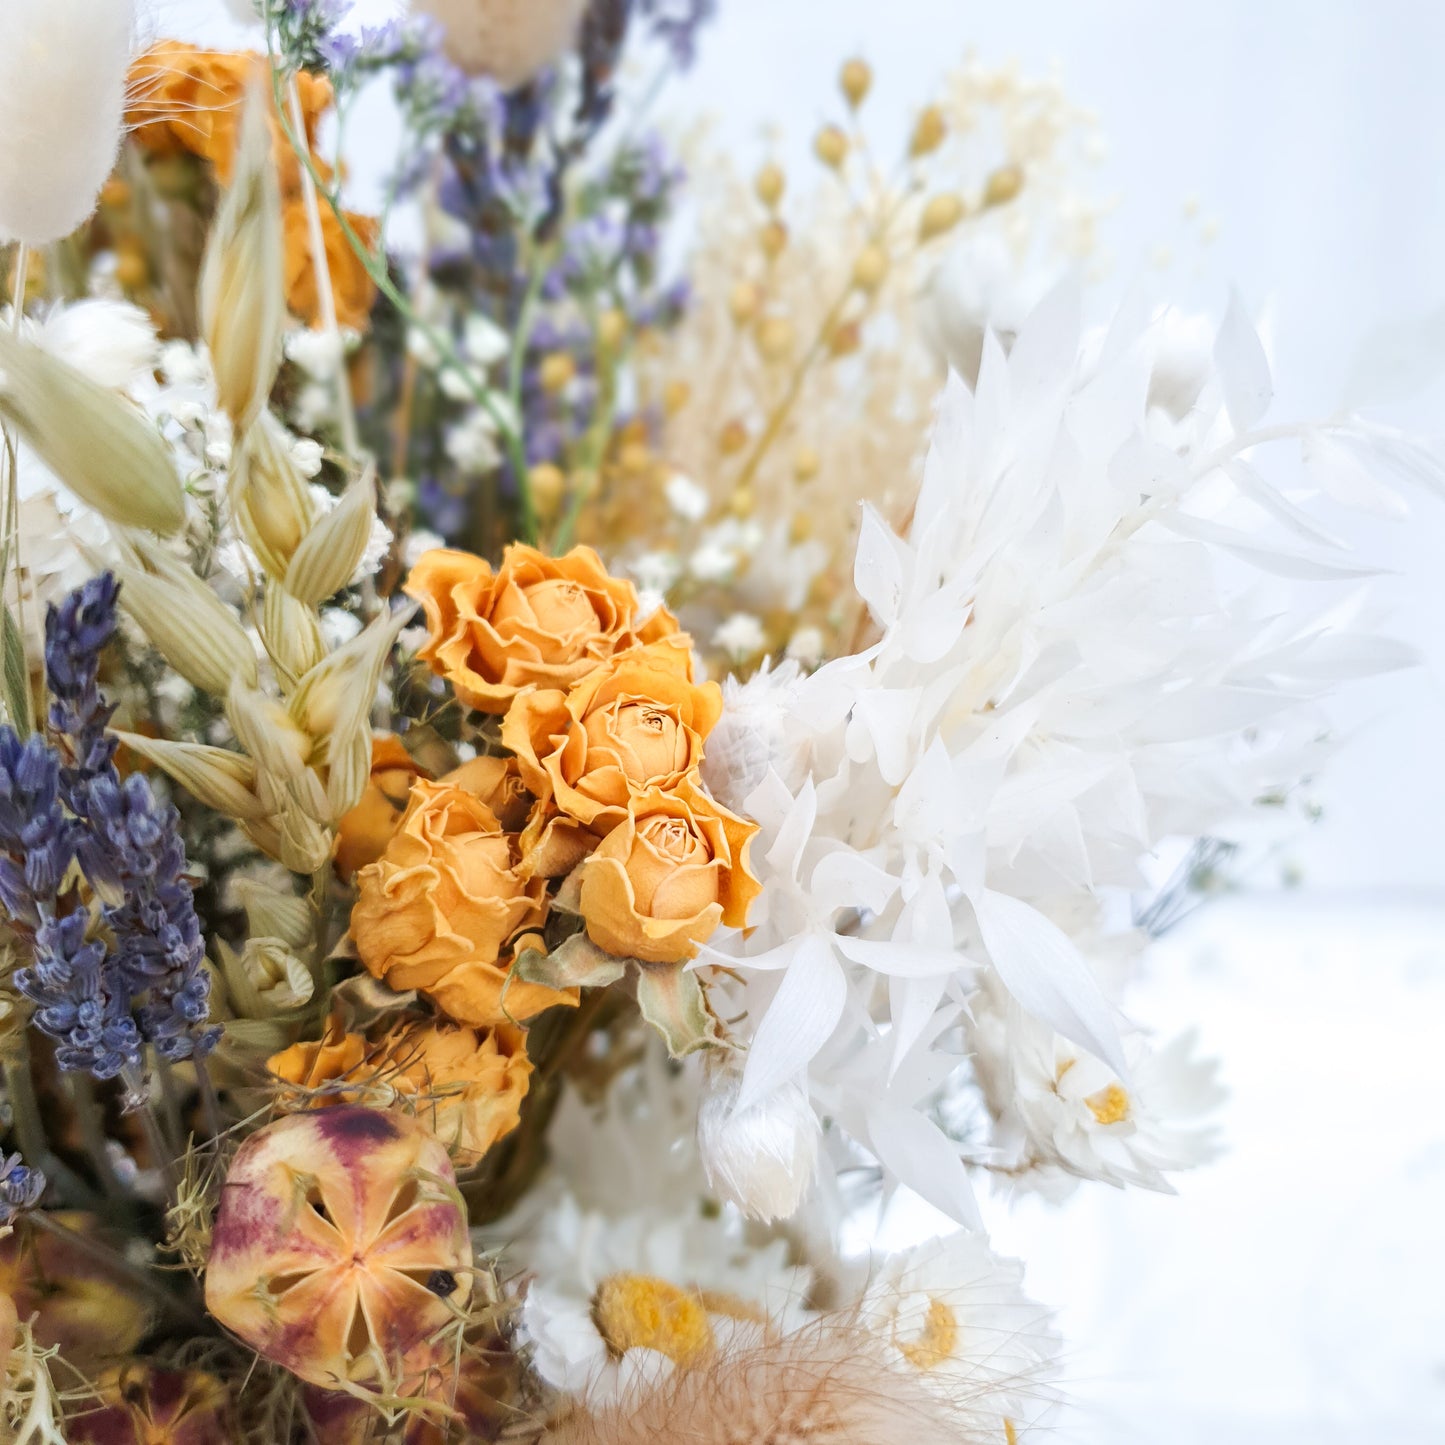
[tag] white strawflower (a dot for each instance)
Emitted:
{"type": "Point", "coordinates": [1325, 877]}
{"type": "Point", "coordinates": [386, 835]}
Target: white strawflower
{"type": "Point", "coordinates": [317, 353]}
{"type": "Point", "coordinates": [472, 443]}
{"type": "Point", "coordinates": [761, 1158]}
{"type": "Point", "coordinates": [63, 70]}
{"type": "Point", "coordinates": [510, 40]}
{"type": "Point", "coordinates": [956, 1313]}
{"type": "Point", "coordinates": [656, 571]}
{"type": "Point", "coordinates": [1060, 1115]}
{"type": "Point", "coordinates": [807, 647]}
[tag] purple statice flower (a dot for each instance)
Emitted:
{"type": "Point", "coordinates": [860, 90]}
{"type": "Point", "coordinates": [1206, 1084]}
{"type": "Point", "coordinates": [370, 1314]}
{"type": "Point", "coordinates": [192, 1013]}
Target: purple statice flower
{"type": "Point", "coordinates": [20, 1188]}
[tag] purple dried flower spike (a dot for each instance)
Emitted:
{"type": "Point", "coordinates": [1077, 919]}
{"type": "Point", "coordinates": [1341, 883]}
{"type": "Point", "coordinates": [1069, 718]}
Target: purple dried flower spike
{"type": "Point", "coordinates": [64, 801]}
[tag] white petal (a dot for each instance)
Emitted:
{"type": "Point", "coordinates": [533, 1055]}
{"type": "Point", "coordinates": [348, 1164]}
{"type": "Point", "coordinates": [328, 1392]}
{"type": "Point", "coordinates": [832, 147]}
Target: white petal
{"type": "Point", "coordinates": [1046, 973]}
{"type": "Point", "coordinates": [799, 1021]}
{"type": "Point", "coordinates": [1243, 367]}
{"type": "Point", "coordinates": [921, 1156]}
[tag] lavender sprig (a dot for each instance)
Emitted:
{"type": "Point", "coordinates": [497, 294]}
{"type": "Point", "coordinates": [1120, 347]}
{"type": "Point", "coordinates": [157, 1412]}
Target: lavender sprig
{"type": "Point", "coordinates": [100, 1006]}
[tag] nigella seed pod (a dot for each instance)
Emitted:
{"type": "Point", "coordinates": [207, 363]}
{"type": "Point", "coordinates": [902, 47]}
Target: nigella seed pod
{"type": "Point", "coordinates": [62, 99]}
{"type": "Point", "coordinates": [330, 1226]}
{"type": "Point", "coordinates": [761, 1158]}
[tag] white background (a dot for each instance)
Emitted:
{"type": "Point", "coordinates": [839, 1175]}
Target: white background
{"type": "Point", "coordinates": [1296, 1292]}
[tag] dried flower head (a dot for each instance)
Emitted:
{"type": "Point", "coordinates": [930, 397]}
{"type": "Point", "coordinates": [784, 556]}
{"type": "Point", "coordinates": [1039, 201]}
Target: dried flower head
{"type": "Point", "coordinates": [340, 1247]}
{"type": "Point", "coordinates": [464, 1085]}
{"type": "Point", "coordinates": [143, 1405]}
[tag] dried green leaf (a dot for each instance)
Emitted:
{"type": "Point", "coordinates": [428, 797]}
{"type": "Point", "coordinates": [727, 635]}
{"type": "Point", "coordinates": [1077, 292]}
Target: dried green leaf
{"type": "Point", "coordinates": [673, 1002]}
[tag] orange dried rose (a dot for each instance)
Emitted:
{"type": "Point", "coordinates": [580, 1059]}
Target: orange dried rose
{"type": "Point", "coordinates": [662, 881]}
{"type": "Point", "coordinates": [633, 723]}
{"type": "Point", "coordinates": [539, 620]}
{"type": "Point", "coordinates": [352, 288]}
{"type": "Point", "coordinates": [182, 98]}
{"type": "Point", "coordinates": [466, 1086]}
{"type": "Point", "coordinates": [340, 1246]}
{"type": "Point", "coordinates": [364, 832]}
{"type": "Point", "coordinates": [498, 783]}
{"type": "Point", "coordinates": [437, 910]}
{"type": "Point", "coordinates": [185, 99]}
{"type": "Point", "coordinates": [308, 1066]}
{"type": "Point", "coordinates": [141, 1405]}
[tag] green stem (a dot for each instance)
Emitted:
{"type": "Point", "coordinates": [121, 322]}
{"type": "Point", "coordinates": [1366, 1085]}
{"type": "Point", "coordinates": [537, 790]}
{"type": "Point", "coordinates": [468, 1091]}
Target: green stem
{"type": "Point", "coordinates": [325, 297]}
{"type": "Point", "coordinates": [10, 520]}
{"type": "Point", "coordinates": [92, 1133]}
{"type": "Point", "coordinates": [30, 1131]}
{"type": "Point", "coordinates": [376, 269]}
{"type": "Point", "coordinates": [162, 1157]}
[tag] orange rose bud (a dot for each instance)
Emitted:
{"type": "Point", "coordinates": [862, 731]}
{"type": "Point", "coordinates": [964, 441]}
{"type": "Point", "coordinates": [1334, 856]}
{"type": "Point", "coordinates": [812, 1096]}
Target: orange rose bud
{"type": "Point", "coordinates": [310, 1066]}
{"type": "Point", "coordinates": [663, 880]}
{"type": "Point", "coordinates": [537, 620]}
{"type": "Point", "coordinates": [340, 1247]}
{"type": "Point", "coordinates": [465, 1086]}
{"type": "Point", "coordinates": [365, 831]}
{"type": "Point", "coordinates": [439, 907]}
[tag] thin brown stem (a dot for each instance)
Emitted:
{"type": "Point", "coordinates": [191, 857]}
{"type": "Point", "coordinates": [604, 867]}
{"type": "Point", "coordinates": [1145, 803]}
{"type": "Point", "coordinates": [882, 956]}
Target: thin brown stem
{"type": "Point", "coordinates": [160, 1150]}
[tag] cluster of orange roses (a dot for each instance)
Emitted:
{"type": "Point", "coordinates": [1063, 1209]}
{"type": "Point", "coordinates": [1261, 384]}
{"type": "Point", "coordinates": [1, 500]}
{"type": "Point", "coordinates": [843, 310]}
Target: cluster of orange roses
{"type": "Point", "coordinates": [604, 729]}
{"type": "Point", "coordinates": [595, 793]}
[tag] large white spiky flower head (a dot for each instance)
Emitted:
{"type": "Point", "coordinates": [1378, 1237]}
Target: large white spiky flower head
{"type": "Point", "coordinates": [63, 70]}
{"type": "Point", "coordinates": [510, 40]}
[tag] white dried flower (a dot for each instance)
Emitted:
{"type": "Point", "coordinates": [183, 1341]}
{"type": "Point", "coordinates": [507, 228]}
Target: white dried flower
{"type": "Point", "coordinates": [472, 443]}
{"type": "Point", "coordinates": [111, 342]}
{"type": "Point", "coordinates": [63, 69]}
{"type": "Point", "coordinates": [741, 636]}
{"type": "Point", "coordinates": [807, 647]}
{"type": "Point", "coordinates": [761, 1158]}
{"type": "Point", "coordinates": [754, 736]}
{"type": "Point", "coordinates": [688, 500]}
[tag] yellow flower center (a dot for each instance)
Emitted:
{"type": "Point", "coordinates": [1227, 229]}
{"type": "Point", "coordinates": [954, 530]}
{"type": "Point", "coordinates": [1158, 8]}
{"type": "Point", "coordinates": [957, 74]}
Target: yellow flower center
{"type": "Point", "coordinates": [1109, 1106]}
{"type": "Point", "coordinates": [1010, 1435]}
{"type": "Point", "coordinates": [637, 1312]}
{"type": "Point", "coordinates": [935, 1343]}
